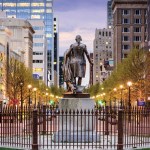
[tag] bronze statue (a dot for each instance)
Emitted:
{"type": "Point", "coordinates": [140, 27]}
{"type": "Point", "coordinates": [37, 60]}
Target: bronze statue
{"type": "Point", "coordinates": [67, 72]}
{"type": "Point", "coordinates": [77, 62]}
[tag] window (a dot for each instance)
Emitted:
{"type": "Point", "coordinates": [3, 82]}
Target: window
{"type": "Point", "coordinates": [126, 12]}
{"type": "Point", "coordinates": [23, 4]}
{"type": "Point", "coordinates": [137, 12]}
{"type": "Point", "coordinates": [9, 4]}
{"type": "Point", "coordinates": [38, 28]}
{"type": "Point", "coordinates": [38, 44]}
{"type": "Point", "coordinates": [37, 4]}
{"type": "Point", "coordinates": [125, 38]}
{"type": "Point", "coordinates": [125, 29]}
{"type": "Point", "coordinates": [125, 55]}
{"type": "Point", "coordinates": [125, 47]}
{"type": "Point", "coordinates": [137, 38]}
{"type": "Point", "coordinates": [37, 53]}
{"type": "Point", "coordinates": [37, 61]}
{"type": "Point", "coordinates": [137, 21]}
{"type": "Point", "coordinates": [126, 21]}
{"type": "Point", "coordinates": [38, 36]}
{"type": "Point", "coordinates": [49, 5]}
{"type": "Point", "coordinates": [109, 33]}
{"type": "Point", "coordinates": [137, 29]}
{"type": "Point", "coordinates": [37, 69]}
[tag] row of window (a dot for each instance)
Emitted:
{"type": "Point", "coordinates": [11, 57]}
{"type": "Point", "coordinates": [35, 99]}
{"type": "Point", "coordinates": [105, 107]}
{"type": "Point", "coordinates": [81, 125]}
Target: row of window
{"type": "Point", "coordinates": [37, 53]}
{"type": "Point", "coordinates": [136, 12]}
{"type": "Point", "coordinates": [105, 33]}
{"type": "Point", "coordinates": [26, 4]}
{"type": "Point", "coordinates": [37, 61]}
{"type": "Point", "coordinates": [38, 36]}
{"type": "Point", "coordinates": [38, 44]}
{"type": "Point", "coordinates": [135, 29]}
{"type": "Point", "coordinates": [135, 38]}
{"type": "Point", "coordinates": [136, 21]}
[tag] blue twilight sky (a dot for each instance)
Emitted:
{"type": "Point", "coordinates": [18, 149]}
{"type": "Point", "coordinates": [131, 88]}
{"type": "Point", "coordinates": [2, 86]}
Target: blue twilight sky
{"type": "Point", "coordinates": [79, 17]}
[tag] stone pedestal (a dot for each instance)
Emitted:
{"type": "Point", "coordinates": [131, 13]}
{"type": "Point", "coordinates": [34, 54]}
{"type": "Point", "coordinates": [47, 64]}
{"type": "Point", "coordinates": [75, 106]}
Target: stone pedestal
{"type": "Point", "coordinates": [76, 125]}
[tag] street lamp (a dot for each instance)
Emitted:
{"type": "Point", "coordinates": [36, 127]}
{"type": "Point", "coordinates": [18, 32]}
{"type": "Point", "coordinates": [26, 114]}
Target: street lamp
{"type": "Point", "coordinates": [35, 89]}
{"type": "Point", "coordinates": [29, 87]}
{"type": "Point", "coordinates": [129, 102]}
{"type": "Point", "coordinates": [121, 87]}
{"type": "Point", "coordinates": [21, 85]}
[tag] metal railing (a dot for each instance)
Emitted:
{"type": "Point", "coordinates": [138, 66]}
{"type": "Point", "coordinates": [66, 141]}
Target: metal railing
{"type": "Point", "coordinates": [45, 127]}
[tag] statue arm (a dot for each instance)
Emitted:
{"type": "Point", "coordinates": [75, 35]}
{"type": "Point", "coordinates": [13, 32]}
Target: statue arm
{"type": "Point", "coordinates": [88, 56]}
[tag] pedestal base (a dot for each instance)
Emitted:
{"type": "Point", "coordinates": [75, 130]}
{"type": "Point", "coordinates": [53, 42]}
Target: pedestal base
{"type": "Point", "coordinates": [77, 95]}
{"type": "Point", "coordinates": [76, 137]}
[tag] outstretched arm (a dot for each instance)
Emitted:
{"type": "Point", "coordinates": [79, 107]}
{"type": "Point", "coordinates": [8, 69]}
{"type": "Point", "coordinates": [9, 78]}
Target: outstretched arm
{"type": "Point", "coordinates": [88, 56]}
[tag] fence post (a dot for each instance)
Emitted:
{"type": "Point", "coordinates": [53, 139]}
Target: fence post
{"type": "Point", "coordinates": [35, 131]}
{"type": "Point", "coordinates": [1, 112]}
{"type": "Point", "coordinates": [120, 130]}
{"type": "Point", "coordinates": [106, 121]}
{"type": "Point", "coordinates": [44, 119]}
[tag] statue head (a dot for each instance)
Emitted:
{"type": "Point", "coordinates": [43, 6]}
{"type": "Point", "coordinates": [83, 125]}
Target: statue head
{"type": "Point", "coordinates": [78, 38]}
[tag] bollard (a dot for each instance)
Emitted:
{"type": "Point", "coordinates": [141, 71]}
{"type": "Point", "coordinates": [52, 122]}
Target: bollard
{"type": "Point", "coordinates": [120, 130]}
{"type": "Point", "coordinates": [35, 131]}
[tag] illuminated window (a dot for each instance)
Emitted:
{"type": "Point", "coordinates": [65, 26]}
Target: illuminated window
{"type": "Point", "coordinates": [23, 4]}
{"type": "Point", "coordinates": [49, 5]}
{"type": "Point", "coordinates": [48, 35]}
{"type": "Point", "coordinates": [35, 16]}
{"type": "Point", "coordinates": [38, 11]}
{"type": "Point", "coordinates": [37, 69]}
{"type": "Point", "coordinates": [9, 4]}
{"type": "Point", "coordinates": [48, 10]}
{"type": "Point", "coordinates": [37, 4]}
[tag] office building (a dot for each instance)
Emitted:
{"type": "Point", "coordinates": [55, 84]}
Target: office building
{"type": "Point", "coordinates": [91, 70]}
{"type": "Point", "coordinates": [61, 76]}
{"type": "Point", "coordinates": [39, 51]}
{"type": "Point", "coordinates": [103, 54]}
{"type": "Point", "coordinates": [56, 52]}
{"type": "Point", "coordinates": [109, 14]}
{"type": "Point", "coordinates": [148, 22]}
{"type": "Point", "coordinates": [35, 10]}
{"type": "Point", "coordinates": [130, 26]}
{"type": "Point", "coordinates": [21, 39]}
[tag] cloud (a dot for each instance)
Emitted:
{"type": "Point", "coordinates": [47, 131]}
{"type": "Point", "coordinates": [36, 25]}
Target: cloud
{"type": "Point", "coordinates": [72, 24]}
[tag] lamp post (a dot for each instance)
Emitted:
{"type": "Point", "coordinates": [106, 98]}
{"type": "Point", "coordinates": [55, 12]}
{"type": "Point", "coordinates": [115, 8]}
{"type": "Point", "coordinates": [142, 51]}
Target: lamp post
{"type": "Point", "coordinates": [129, 100]}
{"type": "Point", "coordinates": [35, 89]}
{"type": "Point", "coordinates": [115, 90]}
{"type": "Point", "coordinates": [21, 85]}
{"type": "Point", "coordinates": [121, 87]}
{"type": "Point", "coordinates": [46, 98]}
{"type": "Point", "coordinates": [29, 87]}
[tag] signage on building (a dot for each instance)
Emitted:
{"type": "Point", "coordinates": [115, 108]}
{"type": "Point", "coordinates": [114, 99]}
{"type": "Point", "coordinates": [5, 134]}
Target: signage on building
{"type": "Point", "coordinates": [141, 102]}
{"type": "Point", "coordinates": [36, 76]}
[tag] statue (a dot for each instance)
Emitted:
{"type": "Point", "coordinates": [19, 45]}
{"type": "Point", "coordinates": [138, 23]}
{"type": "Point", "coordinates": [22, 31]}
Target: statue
{"type": "Point", "coordinates": [67, 72]}
{"type": "Point", "coordinates": [76, 62]}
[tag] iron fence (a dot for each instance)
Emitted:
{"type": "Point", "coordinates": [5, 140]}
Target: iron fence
{"type": "Point", "coordinates": [45, 127]}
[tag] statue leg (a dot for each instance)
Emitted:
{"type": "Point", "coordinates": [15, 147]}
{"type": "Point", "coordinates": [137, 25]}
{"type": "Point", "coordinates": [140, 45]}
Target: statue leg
{"type": "Point", "coordinates": [79, 81]}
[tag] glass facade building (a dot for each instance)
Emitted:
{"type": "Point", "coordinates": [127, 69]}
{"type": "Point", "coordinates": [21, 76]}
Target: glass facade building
{"type": "Point", "coordinates": [109, 14]}
{"type": "Point", "coordinates": [33, 10]}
